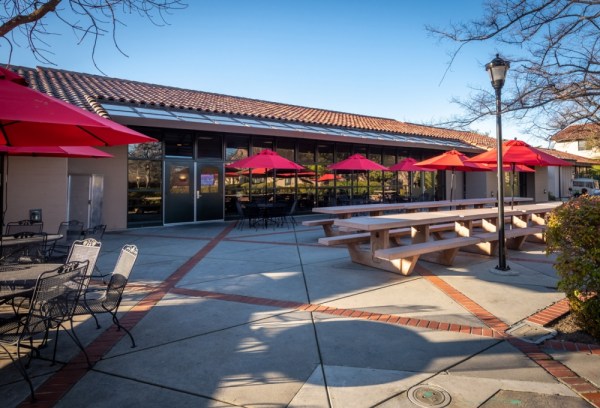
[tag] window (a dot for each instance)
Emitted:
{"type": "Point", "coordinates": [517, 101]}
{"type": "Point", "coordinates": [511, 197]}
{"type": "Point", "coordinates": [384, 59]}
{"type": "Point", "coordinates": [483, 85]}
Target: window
{"type": "Point", "coordinates": [178, 144]}
{"type": "Point", "coordinates": [210, 147]}
{"type": "Point", "coordinates": [582, 145]}
{"type": "Point", "coordinates": [236, 147]}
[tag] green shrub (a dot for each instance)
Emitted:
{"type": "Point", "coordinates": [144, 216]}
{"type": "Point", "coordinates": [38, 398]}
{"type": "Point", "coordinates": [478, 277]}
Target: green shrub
{"type": "Point", "coordinates": [573, 233]}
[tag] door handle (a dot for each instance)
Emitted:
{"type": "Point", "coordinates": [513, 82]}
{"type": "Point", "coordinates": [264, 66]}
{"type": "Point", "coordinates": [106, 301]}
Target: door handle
{"type": "Point", "coordinates": [198, 195]}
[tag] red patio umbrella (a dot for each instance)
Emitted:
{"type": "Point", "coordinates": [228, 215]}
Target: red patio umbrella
{"type": "Point", "coordinates": [409, 165]}
{"type": "Point", "coordinates": [518, 152]}
{"type": "Point", "coordinates": [356, 162]}
{"type": "Point", "coordinates": [266, 159]}
{"type": "Point", "coordinates": [31, 118]}
{"type": "Point", "coordinates": [329, 177]}
{"type": "Point", "coordinates": [451, 160]}
{"type": "Point", "coordinates": [515, 152]}
{"type": "Point", "coordinates": [55, 151]}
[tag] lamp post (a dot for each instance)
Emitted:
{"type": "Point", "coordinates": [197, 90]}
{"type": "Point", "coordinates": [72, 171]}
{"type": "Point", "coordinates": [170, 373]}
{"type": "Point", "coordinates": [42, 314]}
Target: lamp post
{"type": "Point", "coordinates": [497, 69]}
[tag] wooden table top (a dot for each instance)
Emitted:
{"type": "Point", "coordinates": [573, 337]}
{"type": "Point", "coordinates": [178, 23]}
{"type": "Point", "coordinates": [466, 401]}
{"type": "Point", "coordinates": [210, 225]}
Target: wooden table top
{"type": "Point", "coordinates": [353, 209]}
{"type": "Point", "coordinates": [390, 221]}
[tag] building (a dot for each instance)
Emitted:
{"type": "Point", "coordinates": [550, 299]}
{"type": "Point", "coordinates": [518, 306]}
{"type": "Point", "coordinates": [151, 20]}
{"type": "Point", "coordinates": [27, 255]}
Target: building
{"type": "Point", "coordinates": [185, 176]}
{"type": "Point", "coordinates": [575, 140]}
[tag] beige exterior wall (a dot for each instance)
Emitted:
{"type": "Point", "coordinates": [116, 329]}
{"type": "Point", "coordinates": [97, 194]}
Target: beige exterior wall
{"type": "Point", "coordinates": [36, 182]}
{"type": "Point", "coordinates": [114, 170]}
{"type": "Point", "coordinates": [42, 182]}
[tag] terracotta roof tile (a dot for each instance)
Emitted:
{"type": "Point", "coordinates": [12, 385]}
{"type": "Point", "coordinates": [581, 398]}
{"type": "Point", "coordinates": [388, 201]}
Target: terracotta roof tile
{"type": "Point", "coordinates": [577, 132]}
{"type": "Point", "coordinates": [89, 91]}
{"type": "Point", "coordinates": [83, 89]}
{"type": "Point", "coordinates": [571, 157]}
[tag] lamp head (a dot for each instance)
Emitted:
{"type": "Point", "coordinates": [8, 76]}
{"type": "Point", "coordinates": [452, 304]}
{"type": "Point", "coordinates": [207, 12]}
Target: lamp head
{"type": "Point", "coordinates": [497, 69]}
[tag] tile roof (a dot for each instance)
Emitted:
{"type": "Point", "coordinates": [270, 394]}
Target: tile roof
{"type": "Point", "coordinates": [580, 160]}
{"type": "Point", "coordinates": [577, 132]}
{"type": "Point", "coordinates": [88, 91]}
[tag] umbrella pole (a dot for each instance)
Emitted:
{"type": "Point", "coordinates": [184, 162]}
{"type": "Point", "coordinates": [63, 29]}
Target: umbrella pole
{"type": "Point", "coordinates": [452, 185]}
{"type": "Point", "coordinates": [512, 189]}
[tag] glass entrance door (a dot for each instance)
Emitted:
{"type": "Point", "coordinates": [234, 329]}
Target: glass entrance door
{"type": "Point", "coordinates": [179, 192]}
{"type": "Point", "coordinates": [209, 191]}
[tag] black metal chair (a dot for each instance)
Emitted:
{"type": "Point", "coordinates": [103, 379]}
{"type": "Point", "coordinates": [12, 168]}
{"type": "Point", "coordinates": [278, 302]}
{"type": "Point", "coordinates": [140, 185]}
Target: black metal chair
{"type": "Point", "coordinates": [107, 300]}
{"type": "Point", "coordinates": [96, 232]}
{"type": "Point", "coordinates": [53, 303]}
{"type": "Point", "coordinates": [70, 230]}
{"type": "Point", "coordinates": [15, 227]}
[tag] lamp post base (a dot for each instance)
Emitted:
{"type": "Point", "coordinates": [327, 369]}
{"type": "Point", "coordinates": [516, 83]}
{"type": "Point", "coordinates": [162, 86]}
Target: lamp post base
{"type": "Point", "coordinates": [504, 272]}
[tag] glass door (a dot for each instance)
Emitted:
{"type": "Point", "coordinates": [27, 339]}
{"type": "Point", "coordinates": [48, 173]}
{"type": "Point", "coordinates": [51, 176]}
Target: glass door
{"type": "Point", "coordinates": [209, 191]}
{"type": "Point", "coordinates": [179, 192]}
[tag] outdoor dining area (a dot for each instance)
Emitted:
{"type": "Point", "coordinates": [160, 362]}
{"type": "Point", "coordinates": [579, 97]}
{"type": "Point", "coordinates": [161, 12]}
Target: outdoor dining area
{"type": "Point", "coordinates": [46, 279]}
{"type": "Point", "coordinates": [48, 275]}
{"type": "Point", "coordinates": [270, 206]}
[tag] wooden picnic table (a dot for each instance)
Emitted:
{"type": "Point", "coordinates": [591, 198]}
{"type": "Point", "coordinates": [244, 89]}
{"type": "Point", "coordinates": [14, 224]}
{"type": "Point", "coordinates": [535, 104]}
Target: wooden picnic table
{"type": "Point", "coordinates": [380, 252]}
{"type": "Point", "coordinates": [347, 211]}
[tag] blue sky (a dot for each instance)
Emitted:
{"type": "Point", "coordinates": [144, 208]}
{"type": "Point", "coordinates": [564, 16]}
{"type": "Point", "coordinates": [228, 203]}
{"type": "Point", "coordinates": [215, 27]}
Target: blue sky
{"type": "Point", "coordinates": [365, 57]}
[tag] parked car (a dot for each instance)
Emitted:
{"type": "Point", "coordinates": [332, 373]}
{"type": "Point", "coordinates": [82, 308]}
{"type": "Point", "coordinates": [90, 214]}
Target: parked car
{"type": "Point", "coordinates": [591, 185]}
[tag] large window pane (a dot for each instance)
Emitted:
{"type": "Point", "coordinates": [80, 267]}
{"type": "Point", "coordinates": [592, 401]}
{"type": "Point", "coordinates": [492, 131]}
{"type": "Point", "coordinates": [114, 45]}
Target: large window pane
{"type": "Point", "coordinates": [236, 147]}
{"type": "Point", "coordinates": [306, 151]}
{"type": "Point", "coordinates": [179, 144]}
{"type": "Point", "coordinates": [210, 147]}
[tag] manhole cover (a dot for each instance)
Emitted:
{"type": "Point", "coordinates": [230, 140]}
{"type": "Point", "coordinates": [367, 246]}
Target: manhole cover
{"type": "Point", "coordinates": [531, 333]}
{"type": "Point", "coordinates": [429, 396]}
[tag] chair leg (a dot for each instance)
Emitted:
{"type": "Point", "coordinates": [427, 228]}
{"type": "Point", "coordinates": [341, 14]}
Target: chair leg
{"type": "Point", "coordinates": [19, 364]}
{"type": "Point", "coordinates": [119, 327]}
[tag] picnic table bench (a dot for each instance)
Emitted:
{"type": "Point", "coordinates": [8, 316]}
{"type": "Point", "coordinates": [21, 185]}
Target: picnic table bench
{"type": "Point", "coordinates": [386, 252]}
{"type": "Point", "coordinates": [347, 211]}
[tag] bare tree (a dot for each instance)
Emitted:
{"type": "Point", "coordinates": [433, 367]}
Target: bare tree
{"type": "Point", "coordinates": [554, 80]}
{"type": "Point", "coordinates": [87, 18]}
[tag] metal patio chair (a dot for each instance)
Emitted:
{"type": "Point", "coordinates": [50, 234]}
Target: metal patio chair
{"type": "Point", "coordinates": [107, 300]}
{"type": "Point", "coordinates": [15, 227]}
{"type": "Point", "coordinates": [70, 230]}
{"type": "Point", "coordinates": [85, 250]}
{"type": "Point", "coordinates": [52, 304]}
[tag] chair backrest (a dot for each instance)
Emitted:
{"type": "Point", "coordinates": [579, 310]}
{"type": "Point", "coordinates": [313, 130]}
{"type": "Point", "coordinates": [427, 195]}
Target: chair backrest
{"type": "Point", "coordinates": [120, 276]}
{"type": "Point", "coordinates": [14, 227]}
{"type": "Point", "coordinates": [85, 250]}
{"type": "Point", "coordinates": [70, 231]}
{"type": "Point", "coordinates": [55, 297]}
{"type": "Point", "coordinates": [96, 232]}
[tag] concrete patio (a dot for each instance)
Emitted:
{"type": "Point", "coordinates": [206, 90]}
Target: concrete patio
{"type": "Point", "coordinates": [224, 317]}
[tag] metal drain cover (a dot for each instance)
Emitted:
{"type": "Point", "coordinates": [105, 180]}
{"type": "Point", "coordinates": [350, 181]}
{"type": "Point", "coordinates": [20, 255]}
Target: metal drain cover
{"type": "Point", "coordinates": [426, 395]}
{"type": "Point", "coordinates": [531, 333]}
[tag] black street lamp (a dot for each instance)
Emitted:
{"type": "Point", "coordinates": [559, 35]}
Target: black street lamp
{"type": "Point", "coordinates": [497, 70]}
